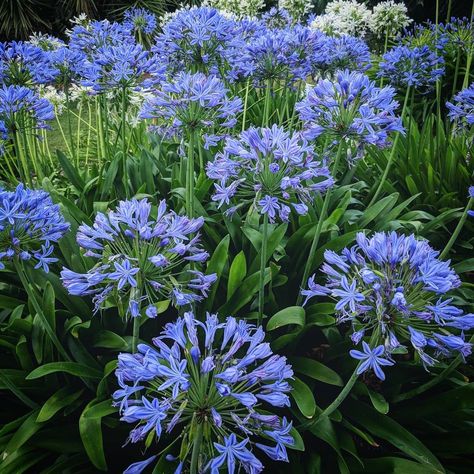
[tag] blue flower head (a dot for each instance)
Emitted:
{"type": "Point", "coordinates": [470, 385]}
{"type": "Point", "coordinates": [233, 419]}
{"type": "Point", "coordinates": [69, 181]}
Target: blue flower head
{"type": "Point", "coordinates": [141, 260]}
{"type": "Point", "coordinates": [350, 108]}
{"type": "Point", "coordinates": [139, 20]}
{"type": "Point", "coordinates": [219, 379]}
{"type": "Point", "coordinates": [417, 67]}
{"type": "Point", "coordinates": [22, 109]}
{"type": "Point", "coordinates": [194, 40]}
{"type": "Point", "coordinates": [270, 168]}
{"type": "Point", "coordinates": [391, 287]}
{"type": "Point", "coordinates": [193, 102]}
{"type": "Point", "coordinates": [461, 110]}
{"type": "Point", "coordinates": [30, 225]}
{"type": "Point", "coordinates": [24, 64]}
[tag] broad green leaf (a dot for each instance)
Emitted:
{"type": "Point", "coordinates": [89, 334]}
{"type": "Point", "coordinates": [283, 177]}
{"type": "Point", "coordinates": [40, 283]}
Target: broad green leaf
{"type": "Point", "coordinates": [62, 398]}
{"type": "Point", "coordinates": [27, 429]}
{"type": "Point", "coordinates": [287, 316]}
{"type": "Point", "coordinates": [393, 465]}
{"type": "Point", "coordinates": [315, 370]}
{"type": "Point", "coordinates": [90, 428]}
{"type": "Point", "coordinates": [303, 397]}
{"type": "Point", "coordinates": [388, 429]}
{"type": "Point", "coordinates": [72, 368]}
{"type": "Point", "coordinates": [237, 273]}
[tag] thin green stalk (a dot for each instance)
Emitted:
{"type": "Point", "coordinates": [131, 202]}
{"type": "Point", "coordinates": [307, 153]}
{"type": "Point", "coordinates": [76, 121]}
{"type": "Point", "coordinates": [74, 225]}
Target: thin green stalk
{"type": "Point", "coordinates": [69, 123]}
{"type": "Point", "coordinates": [319, 227]}
{"type": "Point", "coordinates": [66, 141]}
{"type": "Point", "coordinates": [458, 229]}
{"type": "Point", "coordinates": [247, 87]}
{"type": "Point", "coordinates": [124, 142]}
{"type": "Point", "coordinates": [190, 177]}
{"type": "Point", "coordinates": [467, 75]}
{"type": "Point", "coordinates": [266, 105]}
{"type": "Point", "coordinates": [392, 153]}
{"type": "Point", "coordinates": [456, 72]}
{"type": "Point", "coordinates": [24, 174]}
{"type": "Point", "coordinates": [263, 263]}
{"type": "Point", "coordinates": [136, 333]}
{"type": "Point", "coordinates": [78, 135]}
{"type": "Point", "coordinates": [196, 447]}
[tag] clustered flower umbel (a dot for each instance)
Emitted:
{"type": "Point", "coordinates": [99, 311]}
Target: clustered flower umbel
{"type": "Point", "coordinates": [348, 17]}
{"type": "Point", "coordinates": [271, 169]}
{"type": "Point", "coordinates": [415, 67]}
{"type": "Point", "coordinates": [140, 20]}
{"type": "Point", "coordinates": [190, 103]}
{"type": "Point", "coordinates": [30, 225]}
{"type": "Point", "coordinates": [22, 109]}
{"type": "Point", "coordinates": [461, 110]}
{"type": "Point", "coordinates": [141, 260]}
{"type": "Point", "coordinates": [390, 288]}
{"type": "Point", "coordinates": [214, 384]}
{"type": "Point", "coordinates": [350, 108]}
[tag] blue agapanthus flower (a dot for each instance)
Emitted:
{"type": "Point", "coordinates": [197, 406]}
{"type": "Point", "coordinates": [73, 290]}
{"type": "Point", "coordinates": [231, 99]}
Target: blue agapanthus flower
{"type": "Point", "coordinates": [390, 288]}
{"type": "Point", "coordinates": [332, 53]}
{"type": "Point", "coordinates": [22, 109]}
{"type": "Point", "coordinates": [141, 260]}
{"type": "Point", "coordinates": [24, 64]}
{"type": "Point", "coordinates": [271, 55]}
{"type": "Point", "coordinates": [139, 20]}
{"type": "Point", "coordinates": [461, 109]}
{"type": "Point", "coordinates": [418, 67]}
{"type": "Point", "coordinates": [350, 108]}
{"type": "Point", "coordinates": [68, 64]}
{"type": "Point", "coordinates": [93, 35]}
{"type": "Point", "coordinates": [125, 65]}
{"type": "Point", "coordinates": [193, 102]}
{"type": "Point", "coordinates": [30, 225]}
{"type": "Point", "coordinates": [216, 385]}
{"type": "Point", "coordinates": [271, 169]}
{"type": "Point", "coordinates": [194, 40]}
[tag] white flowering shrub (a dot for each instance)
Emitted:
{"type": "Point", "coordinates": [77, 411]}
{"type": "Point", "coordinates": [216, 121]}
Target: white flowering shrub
{"type": "Point", "coordinates": [389, 18]}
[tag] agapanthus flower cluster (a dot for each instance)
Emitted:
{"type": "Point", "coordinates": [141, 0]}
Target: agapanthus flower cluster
{"type": "Point", "coordinates": [193, 102]}
{"type": "Point", "coordinates": [194, 40]}
{"type": "Point", "coordinates": [418, 67]}
{"type": "Point", "coordinates": [272, 55]}
{"type": "Point", "coordinates": [271, 169]}
{"type": "Point", "coordinates": [277, 18]}
{"type": "Point", "coordinates": [45, 42]}
{"type": "Point", "coordinates": [350, 108]}
{"type": "Point", "coordinates": [343, 17]}
{"type": "Point", "coordinates": [141, 260]}
{"type": "Point", "coordinates": [23, 63]}
{"type": "Point", "coordinates": [68, 65]}
{"type": "Point", "coordinates": [217, 385]}
{"type": "Point", "coordinates": [240, 9]}
{"type": "Point", "coordinates": [461, 110]}
{"type": "Point", "coordinates": [30, 225]}
{"type": "Point", "coordinates": [390, 288]}
{"type": "Point", "coordinates": [90, 36]}
{"type": "Point", "coordinates": [119, 66]}
{"type": "Point", "coordinates": [296, 8]}
{"type": "Point", "coordinates": [331, 54]}
{"type": "Point", "coordinates": [389, 18]}
{"type": "Point", "coordinates": [140, 21]}
{"type": "Point", "coordinates": [22, 109]}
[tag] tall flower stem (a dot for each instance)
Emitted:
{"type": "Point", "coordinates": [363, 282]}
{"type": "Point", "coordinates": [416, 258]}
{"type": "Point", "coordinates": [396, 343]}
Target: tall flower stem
{"type": "Point", "coordinates": [196, 447]}
{"type": "Point", "coordinates": [458, 229]}
{"type": "Point", "coordinates": [31, 292]}
{"type": "Point", "coordinates": [263, 262]}
{"type": "Point", "coordinates": [319, 227]}
{"type": "Point", "coordinates": [124, 142]}
{"type": "Point", "coordinates": [266, 105]}
{"type": "Point", "coordinates": [190, 177]}
{"type": "Point", "coordinates": [25, 175]}
{"type": "Point", "coordinates": [247, 87]}
{"type": "Point", "coordinates": [135, 333]}
{"type": "Point", "coordinates": [392, 153]}
{"type": "Point", "coordinates": [467, 75]}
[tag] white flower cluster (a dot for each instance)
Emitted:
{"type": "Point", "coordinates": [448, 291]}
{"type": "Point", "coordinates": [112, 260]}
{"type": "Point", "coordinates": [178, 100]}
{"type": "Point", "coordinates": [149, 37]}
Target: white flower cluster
{"type": "Point", "coordinates": [55, 96]}
{"type": "Point", "coordinates": [348, 17]}
{"type": "Point", "coordinates": [389, 18]}
{"type": "Point", "coordinates": [296, 8]}
{"type": "Point", "coordinates": [239, 8]}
